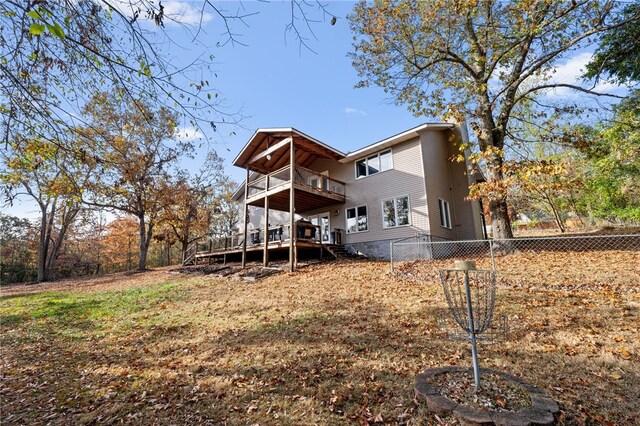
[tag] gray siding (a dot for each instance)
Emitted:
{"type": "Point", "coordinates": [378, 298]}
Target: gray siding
{"type": "Point", "coordinates": [447, 180]}
{"type": "Point", "coordinates": [435, 158]}
{"type": "Point", "coordinates": [256, 217]}
{"type": "Point", "coordinates": [467, 212]}
{"type": "Point", "coordinates": [406, 178]}
{"type": "Point", "coordinates": [422, 170]}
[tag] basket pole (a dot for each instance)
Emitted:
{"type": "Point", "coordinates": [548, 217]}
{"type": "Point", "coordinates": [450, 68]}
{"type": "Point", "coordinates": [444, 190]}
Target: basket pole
{"type": "Point", "coordinates": [472, 331]}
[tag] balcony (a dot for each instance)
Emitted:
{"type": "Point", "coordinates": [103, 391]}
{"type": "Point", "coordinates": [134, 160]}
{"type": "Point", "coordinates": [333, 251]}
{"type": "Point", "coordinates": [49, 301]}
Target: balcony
{"type": "Point", "coordinates": [313, 190]}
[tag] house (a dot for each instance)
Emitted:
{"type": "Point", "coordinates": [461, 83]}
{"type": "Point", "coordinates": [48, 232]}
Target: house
{"type": "Point", "coordinates": [395, 188]}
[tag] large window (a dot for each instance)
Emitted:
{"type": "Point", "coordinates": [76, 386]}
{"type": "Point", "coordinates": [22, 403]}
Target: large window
{"type": "Point", "coordinates": [445, 213]}
{"type": "Point", "coordinates": [357, 220]}
{"type": "Point", "coordinates": [395, 212]}
{"type": "Point", "coordinates": [373, 164]}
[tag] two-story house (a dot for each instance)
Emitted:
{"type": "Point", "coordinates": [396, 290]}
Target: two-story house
{"type": "Point", "coordinates": [362, 200]}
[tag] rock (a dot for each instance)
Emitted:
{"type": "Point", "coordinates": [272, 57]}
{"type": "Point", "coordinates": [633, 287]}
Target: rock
{"type": "Point", "coordinates": [439, 404]}
{"type": "Point", "coordinates": [472, 416]}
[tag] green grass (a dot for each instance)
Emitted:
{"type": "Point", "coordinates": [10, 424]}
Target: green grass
{"type": "Point", "coordinates": [89, 311]}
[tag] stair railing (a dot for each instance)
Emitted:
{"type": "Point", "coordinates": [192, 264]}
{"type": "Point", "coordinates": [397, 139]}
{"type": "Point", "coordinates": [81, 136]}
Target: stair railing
{"type": "Point", "coordinates": [190, 254]}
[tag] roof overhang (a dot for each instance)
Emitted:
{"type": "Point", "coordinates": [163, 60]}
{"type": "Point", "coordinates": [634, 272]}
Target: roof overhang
{"type": "Point", "coordinates": [269, 149]}
{"type": "Point", "coordinates": [394, 140]}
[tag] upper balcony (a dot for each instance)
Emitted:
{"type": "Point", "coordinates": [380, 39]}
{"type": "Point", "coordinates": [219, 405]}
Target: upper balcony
{"type": "Point", "coordinates": [271, 154]}
{"type": "Point", "coordinates": [313, 189]}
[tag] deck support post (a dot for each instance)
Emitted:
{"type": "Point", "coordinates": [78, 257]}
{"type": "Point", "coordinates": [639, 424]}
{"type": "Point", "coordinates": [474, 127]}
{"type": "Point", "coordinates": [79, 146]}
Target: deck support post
{"type": "Point", "coordinates": [265, 255]}
{"type": "Point", "coordinates": [293, 253]}
{"type": "Point", "coordinates": [246, 219]}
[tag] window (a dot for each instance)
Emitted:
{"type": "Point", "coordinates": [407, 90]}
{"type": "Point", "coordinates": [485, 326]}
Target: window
{"type": "Point", "coordinates": [395, 212]}
{"type": "Point", "coordinates": [357, 220]}
{"type": "Point", "coordinates": [445, 213]}
{"type": "Point", "coordinates": [373, 164]}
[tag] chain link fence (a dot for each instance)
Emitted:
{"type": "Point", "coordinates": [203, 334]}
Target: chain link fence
{"type": "Point", "coordinates": [611, 261]}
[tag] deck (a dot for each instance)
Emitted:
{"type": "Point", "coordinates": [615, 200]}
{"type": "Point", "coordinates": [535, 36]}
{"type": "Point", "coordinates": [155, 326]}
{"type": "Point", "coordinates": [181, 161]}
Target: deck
{"type": "Point", "coordinates": [230, 248]}
{"type": "Point", "coordinates": [282, 180]}
{"type": "Point", "coordinates": [276, 249]}
{"type": "Point", "coordinates": [313, 190]}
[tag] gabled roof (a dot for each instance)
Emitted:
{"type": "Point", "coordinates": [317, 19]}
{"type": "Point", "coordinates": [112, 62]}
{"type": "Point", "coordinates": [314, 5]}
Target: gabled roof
{"type": "Point", "coordinates": [394, 140]}
{"type": "Point", "coordinates": [310, 148]}
{"type": "Point", "coordinates": [272, 141]}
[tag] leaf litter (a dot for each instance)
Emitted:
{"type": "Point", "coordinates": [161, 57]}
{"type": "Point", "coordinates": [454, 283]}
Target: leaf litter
{"type": "Point", "coordinates": [333, 343]}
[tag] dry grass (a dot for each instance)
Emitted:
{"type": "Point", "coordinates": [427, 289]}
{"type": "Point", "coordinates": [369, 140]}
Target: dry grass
{"type": "Point", "coordinates": [337, 343]}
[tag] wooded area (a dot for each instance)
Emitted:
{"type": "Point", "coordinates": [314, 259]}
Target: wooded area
{"type": "Point", "coordinates": [90, 111]}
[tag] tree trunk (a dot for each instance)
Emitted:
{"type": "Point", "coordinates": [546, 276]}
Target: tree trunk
{"type": "Point", "coordinates": [556, 215]}
{"type": "Point", "coordinates": [43, 248]}
{"type": "Point", "coordinates": [144, 246]}
{"type": "Point", "coordinates": [67, 217]}
{"type": "Point", "coordinates": [46, 223]}
{"type": "Point", "coordinates": [184, 242]}
{"type": "Point", "coordinates": [129, 255]}
{"type": "Point", "coordinates": [146, 232]}
{"type": "Point", "coordinates": [500, 223]}
{"type": "Point", "coordinates": [498, 208]}
{"type": "Point", "coordinates": [491, 142]}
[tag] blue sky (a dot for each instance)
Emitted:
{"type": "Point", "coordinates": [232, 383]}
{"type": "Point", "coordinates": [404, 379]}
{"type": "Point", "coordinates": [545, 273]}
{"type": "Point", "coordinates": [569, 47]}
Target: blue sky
{"type": "Point", "coordinates": [273, 82]}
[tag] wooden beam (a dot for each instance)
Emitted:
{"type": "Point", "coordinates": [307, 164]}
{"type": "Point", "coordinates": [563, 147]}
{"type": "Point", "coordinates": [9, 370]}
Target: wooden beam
{"type": "Point", "coordinates": [252, 153]}
{"type": "Point", "coordinates": [246, 219]}
{"type": "Point", "coordinates": [265, 255]}
{"type": "Point", "coordinates": [292, 209]}
{"type": "Point", "coordinates": [271, 150]}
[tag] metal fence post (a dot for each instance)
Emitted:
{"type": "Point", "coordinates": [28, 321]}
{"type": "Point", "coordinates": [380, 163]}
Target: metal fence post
{"type": "Point", "coordinates": [493, 259]}
{"type": "Point", "coordinates": [391, 254]}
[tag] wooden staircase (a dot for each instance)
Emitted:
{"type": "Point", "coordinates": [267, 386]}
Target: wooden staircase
{"type": "Point", "coordinates": [340, 252]}
{"type": "Point", "coordinates": [190, 255]}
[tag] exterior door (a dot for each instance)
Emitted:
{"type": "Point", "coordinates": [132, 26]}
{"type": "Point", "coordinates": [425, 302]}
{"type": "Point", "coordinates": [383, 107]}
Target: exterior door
{"type": "Point", "coordinates": [322, 220]}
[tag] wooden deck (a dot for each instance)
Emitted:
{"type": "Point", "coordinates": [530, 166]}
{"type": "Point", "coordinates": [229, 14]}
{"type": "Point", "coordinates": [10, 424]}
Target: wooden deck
{"type": "Point", "coordinates": [304, 247]}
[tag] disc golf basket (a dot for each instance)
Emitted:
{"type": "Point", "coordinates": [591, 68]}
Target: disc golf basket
{"type": "Point", "coordinates": [471, 295]}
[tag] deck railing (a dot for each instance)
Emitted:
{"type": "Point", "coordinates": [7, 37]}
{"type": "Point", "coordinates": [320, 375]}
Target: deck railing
{"type": "Point", "coordinates": [279, 177]}
{"type": "Point", "coordinates": [228, 242]}
{"type": "Point", "coordinates": [302, 176]}
{"type": "Point", "coordinates": [318, 181]}
{"type": "Point", "coordinates": [256, 187]}
{"type": "Point", "coordinates": [307, 232]}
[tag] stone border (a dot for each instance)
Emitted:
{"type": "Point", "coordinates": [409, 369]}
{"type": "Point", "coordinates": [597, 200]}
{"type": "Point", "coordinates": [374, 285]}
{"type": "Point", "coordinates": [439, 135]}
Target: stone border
{"type": "Point", "coordinates": [541, 413]}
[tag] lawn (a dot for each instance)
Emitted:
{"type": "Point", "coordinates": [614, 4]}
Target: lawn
{"type": "Point", "coordinates": [334, 343]}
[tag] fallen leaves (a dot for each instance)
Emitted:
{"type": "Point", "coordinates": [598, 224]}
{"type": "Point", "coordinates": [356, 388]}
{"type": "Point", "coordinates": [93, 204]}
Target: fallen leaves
{"type": "Point", "coordinates": [336, 343]}
{"type": "Point", "coordinates": [626, 354]}
{"type": "Point", "coordinates": [495, 392]}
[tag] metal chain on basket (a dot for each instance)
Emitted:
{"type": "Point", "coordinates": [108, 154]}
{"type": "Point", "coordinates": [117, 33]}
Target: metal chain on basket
{"type": "Point", "coordinates": [483, 294]}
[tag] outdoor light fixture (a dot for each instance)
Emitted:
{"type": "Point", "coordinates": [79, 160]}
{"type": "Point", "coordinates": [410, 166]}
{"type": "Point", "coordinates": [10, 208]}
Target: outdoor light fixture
{"type": "Point", "coordinates": [268, 157]}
